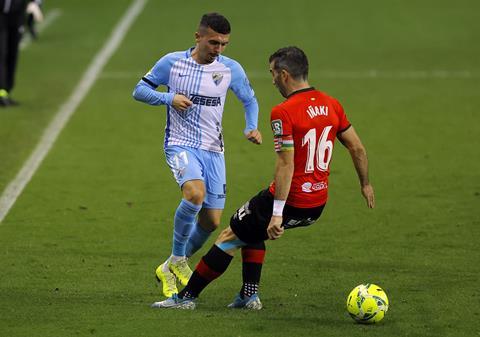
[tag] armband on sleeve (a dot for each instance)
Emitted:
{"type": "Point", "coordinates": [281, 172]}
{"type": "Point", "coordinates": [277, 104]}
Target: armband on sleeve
{"type": "Point", "coordinates": [283, 143]}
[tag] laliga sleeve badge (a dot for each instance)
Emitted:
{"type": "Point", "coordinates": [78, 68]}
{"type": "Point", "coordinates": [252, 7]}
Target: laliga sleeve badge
{"type": "Point", "coordinates": [277, 127]}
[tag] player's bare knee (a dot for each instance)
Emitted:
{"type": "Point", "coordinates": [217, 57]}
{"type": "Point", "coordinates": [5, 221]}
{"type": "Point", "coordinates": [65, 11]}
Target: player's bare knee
{"type": "Point", "coordinates": [196, 198]}
{"type": "Point", "coordinates": [194, 194]}
{"type": "Point", "coordinates": [226, 235]}
{"type": "Point", "coordinates": [221, 237]}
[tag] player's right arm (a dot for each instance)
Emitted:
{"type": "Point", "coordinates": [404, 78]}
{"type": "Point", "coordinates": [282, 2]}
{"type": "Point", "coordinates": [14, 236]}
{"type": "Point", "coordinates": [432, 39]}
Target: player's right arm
{"type": "Point", "coordinates": [284, 167]}
{"type": "Point", "coordinates": [283, 178]}
{"type": "Point", "coordinates": [350, 139]}
{"type": "Point", "coordinates": [145, 90]}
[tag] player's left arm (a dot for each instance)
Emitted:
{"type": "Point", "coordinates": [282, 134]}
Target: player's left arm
{"type": "Point", "coordinates": [244, 92]}
{"type": "Point", "coordinates": [350, 139]}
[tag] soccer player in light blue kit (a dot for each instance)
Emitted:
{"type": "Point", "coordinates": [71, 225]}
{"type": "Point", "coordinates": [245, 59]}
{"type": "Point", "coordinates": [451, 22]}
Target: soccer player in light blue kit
{"type": "Point", "coordinates": [197, 80]}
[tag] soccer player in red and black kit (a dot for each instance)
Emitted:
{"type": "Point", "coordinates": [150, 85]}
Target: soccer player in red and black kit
{"type": "Point", "coordinates": [305, 126]}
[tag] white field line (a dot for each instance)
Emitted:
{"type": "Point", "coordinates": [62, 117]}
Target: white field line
{"type": "Point", "coordinates": [16, 186]}
{"type": "Point", "coordinates": [337, 74]}
{"type": "Point", "coordinates": [51, 16]}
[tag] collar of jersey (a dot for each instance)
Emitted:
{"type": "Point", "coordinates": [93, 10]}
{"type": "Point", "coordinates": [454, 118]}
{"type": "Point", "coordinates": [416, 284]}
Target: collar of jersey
{"type": "Point", "coordinates": [300, 91]}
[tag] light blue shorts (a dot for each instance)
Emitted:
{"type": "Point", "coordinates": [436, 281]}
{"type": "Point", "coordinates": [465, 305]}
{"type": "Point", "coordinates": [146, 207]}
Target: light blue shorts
{"type": "Point", "coordinates": [188, 163]}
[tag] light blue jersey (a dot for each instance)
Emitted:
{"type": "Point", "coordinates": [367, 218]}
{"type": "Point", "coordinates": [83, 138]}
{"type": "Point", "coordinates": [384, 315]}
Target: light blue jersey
{"type": "Point", "coordinates": [206, 85]}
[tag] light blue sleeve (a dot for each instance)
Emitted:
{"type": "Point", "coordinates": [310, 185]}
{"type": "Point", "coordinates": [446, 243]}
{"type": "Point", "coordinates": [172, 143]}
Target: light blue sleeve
{"type": "Point", "coordinates": [243, 90]}
{"type": "Point", "coordinates": [145, 90]}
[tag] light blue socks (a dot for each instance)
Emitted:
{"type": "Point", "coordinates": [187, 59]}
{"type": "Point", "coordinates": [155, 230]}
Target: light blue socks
{"type": "Point", "coordinates": [197, 238]}
{"type": "Point", "coordinates": [184, 220]}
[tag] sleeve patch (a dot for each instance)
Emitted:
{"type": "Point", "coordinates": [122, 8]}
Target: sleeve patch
{"type": "Point", "coordinates": [277, 127]}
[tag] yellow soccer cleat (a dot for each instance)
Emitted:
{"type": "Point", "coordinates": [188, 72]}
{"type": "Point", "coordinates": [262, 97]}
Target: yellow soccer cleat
{"type": "Point", "coordinates": [169, 283]}
{"type": "Point", "coordinates": [181, 270]}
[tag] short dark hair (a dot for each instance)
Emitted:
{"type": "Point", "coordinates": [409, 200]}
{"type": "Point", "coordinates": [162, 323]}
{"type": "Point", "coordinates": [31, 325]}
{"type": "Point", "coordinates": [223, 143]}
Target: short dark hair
{"type": "Point", "coordinates": [291, 59]}
{"type": "Point", "coordinates": [215, 21]}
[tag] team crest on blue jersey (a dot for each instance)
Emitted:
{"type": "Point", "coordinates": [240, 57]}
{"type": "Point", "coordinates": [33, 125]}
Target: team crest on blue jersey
{"type": "Point", "coordinates": [217, 78]}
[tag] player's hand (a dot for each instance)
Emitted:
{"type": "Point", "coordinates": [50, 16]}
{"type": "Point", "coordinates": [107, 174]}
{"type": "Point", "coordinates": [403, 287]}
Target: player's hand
{"type": "Point", "coordinates": [275, 229]}
{"type": "Point", "coordinates": [181, 103]}
{"type": "Point", "coordinates": [254, 136]}
{"type": "Point", "coordinates": [367, 192]}
{"type": "Point", "coordinates": [35, 10]}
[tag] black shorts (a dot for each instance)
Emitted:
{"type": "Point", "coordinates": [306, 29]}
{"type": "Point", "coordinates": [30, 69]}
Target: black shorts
{"type": "Point", "coordinates": [250, 222]}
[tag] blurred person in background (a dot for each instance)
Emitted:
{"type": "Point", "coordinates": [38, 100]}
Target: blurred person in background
{"type": "Point", "coordinates": [12, 19]}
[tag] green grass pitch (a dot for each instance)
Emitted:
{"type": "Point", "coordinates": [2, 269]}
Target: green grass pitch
{"type": "Point", "coordinates": [79, 247]}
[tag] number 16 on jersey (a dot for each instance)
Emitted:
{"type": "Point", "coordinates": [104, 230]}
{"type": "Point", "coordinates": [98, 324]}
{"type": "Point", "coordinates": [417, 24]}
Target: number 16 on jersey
{"type": "Point", "coordinates": [321, 151]}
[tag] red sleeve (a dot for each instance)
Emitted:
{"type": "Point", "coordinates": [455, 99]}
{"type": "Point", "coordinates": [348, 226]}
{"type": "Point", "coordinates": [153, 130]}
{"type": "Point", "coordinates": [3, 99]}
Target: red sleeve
{"type": "Point", "coordinates": [343, 123]}
{"type": "Point", "coordinates": [280, 122]}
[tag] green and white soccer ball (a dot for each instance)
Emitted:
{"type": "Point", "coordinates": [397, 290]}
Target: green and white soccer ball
{"type": "Point", "coordinates": [367, 303]}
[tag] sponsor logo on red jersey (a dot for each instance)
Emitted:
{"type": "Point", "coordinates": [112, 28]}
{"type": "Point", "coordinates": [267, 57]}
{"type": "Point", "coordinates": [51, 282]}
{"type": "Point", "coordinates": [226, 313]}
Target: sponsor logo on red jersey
{"type": "Point", "coordinates": [309, 187]}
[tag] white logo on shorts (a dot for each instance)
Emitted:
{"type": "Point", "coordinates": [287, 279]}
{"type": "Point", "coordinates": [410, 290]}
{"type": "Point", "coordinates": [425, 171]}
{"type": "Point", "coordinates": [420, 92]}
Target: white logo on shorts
{"type": "Point", "coordinates": [244, 210]}
{"type": "Point", "coordinates": [178, 164]}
